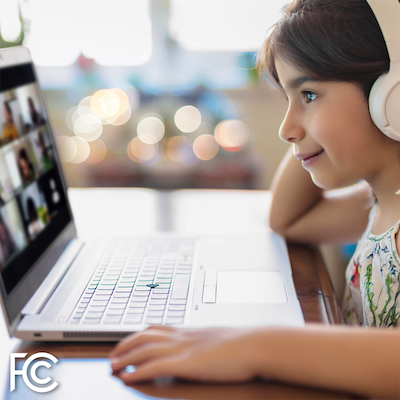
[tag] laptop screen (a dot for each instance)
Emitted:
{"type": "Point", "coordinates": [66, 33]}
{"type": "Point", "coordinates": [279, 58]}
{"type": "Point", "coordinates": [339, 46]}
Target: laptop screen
{"type": "Point", "coordinates": [33, 206]}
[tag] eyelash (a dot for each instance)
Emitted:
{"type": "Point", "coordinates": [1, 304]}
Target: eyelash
{"type": "Point", "coordinates": [307, 93]}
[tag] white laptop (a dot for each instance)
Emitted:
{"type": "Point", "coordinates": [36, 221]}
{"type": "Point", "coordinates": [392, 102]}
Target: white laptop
{"type": "Point", "coordinates": [55, 286]}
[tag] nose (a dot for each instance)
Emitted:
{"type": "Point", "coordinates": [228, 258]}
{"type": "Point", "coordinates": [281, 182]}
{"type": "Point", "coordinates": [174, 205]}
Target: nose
{"type": "Point", "coordinates": [291, 130]}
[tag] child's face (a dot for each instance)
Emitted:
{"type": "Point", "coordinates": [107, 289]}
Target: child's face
{"type": "Point", "coordinates": [331, 129]}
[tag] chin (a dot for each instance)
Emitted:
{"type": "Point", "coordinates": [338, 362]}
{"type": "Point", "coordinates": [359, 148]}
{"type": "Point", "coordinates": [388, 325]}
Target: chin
{"type": "Point", "coordinates": [329, 182]}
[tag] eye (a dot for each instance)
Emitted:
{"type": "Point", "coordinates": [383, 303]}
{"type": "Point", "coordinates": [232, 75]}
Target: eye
{"type": "Point", "coordinates": [309, 96]}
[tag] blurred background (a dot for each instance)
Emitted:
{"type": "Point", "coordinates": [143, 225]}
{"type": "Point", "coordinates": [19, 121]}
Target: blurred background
{"type": "Point", "coordinates": [157, 93]}
{"type": "Point", "coordinates": [154, 93]}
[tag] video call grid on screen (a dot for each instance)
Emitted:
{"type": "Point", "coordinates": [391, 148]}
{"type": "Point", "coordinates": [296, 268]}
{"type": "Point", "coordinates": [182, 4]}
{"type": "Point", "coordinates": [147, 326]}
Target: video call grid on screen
{"type": "Point", "coordinates": [32, 199]}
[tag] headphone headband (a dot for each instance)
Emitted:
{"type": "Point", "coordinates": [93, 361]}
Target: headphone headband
{"type": "Point", "coordinates": [387, 13]}
{"type": "Point", "coordinates": [384, 99]}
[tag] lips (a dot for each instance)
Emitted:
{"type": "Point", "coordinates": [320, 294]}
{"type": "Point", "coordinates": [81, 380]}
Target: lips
{"type": "Point", "coordinates": [307, 156]}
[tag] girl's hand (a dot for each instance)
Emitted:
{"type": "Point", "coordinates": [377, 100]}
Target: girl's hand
{"type": "Point", "coordinates": [217, 354]}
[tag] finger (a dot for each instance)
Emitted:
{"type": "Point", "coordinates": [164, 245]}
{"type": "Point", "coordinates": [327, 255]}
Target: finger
{"type": "Point", "coordinates": [137, 339]}
{"type": "Point", "coordinates": [144, 354]}
{"type": "Point", "coordinates": [166, 367]}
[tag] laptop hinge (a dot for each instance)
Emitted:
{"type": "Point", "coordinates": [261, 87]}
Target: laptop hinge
{"type": "Point", "coordinates": [46, 289]}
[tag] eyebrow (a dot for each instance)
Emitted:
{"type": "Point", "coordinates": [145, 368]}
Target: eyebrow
{"type": "Point", "coordinates": [296, 82]}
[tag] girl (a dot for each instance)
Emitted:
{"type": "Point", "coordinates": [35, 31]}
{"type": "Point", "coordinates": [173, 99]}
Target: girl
{"type": "Point", "coordinates": [325, 55]}
{"type": "Point", "coordinates": [10, 131]}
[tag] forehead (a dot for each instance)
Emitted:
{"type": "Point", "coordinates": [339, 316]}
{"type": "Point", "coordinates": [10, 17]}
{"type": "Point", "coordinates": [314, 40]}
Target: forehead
{"type": "Point", "coordinates": [289, 76]}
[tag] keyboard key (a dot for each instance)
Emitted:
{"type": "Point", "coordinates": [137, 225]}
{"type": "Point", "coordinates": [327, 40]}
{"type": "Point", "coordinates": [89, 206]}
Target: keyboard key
{"type": "Point", "coordinates": [114, 312]}
{"type": "Point", "coordinates": [133, 319]}
{"type": "Point", "coordinates": [155, 313]}
{"type": "Point", "coordinates": [101, 297]}
{"type": "Point", "coordinates": [174, 321]}
{"type": "Point", "coordinates": [143, 289]}
{"type": "Point", "coordinates": [139, 300]}
{"type": "Point", "coordinates": [136, 304]}
{"type": "Point", "coordinates": [104, 291]}
{"type": "Point", "coordinates": [96, 309]}
{"type": "Point", "coordinates": [176, 307]}
{"type": "Point", "coordinates": [163, 285]}
{"type": "Point", "coordinates": [117, 306]}
{"type": "Point", "coordinates": [142, 282]}
{"type": "Point", "coordinates": [158, 301]}
{"type": "Point", "coordinates": [78, 314]}
{"type": "Point", "coordinates": [121, 295]}
{"type": "Point", "coordinates": [167, 270]}
{"type": "Point", "coordinates": [175, 314]}
{"type": "Point", "coordinates": [91, 321]}
{"type": "Point", "coordinates": [119, 300]}
{"type": "Point", "coordinates": [177, 301]}
{"type": "Point", "coordinates": [157, 307]}
{"type": "Point", "coordinates": [135, 310]}
{"type": "Point", "coordinates": [139, 293]}
{"type": "Point", "coordinates": [106, 281]}
{"type": "Point", "coordinates": [112, 320]}
{"type": "Point", "coordinates": [180, 287]}
{"type": "Point", "coordinates": [159, 296]}
{"type": "Point", "coordinates": [153, 321]}
{"type": "Point", "coordinates": [93, 315]}
{"type": "Point", "coordinates": [107, 286]}
{"type": "Point", "coordinates": [98, 303]}
{"type": "Point", "coordinates": [160, 291]}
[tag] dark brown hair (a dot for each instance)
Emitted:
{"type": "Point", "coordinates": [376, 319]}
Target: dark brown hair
{"type": "Point", "coordinates": [330, 40]}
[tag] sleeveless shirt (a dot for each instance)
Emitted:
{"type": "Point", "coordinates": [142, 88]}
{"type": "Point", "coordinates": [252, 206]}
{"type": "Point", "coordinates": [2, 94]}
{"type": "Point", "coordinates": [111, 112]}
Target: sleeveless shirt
{"type": "Point", "coordinates": [372, 294]}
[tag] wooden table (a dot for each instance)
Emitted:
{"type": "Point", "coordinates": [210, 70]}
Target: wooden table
{"type": "Point", "coordinates": [83, 371]}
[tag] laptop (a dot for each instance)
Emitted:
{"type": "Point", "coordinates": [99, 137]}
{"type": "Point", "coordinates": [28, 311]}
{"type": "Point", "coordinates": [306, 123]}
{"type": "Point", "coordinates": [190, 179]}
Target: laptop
{"type": "Point", "coordinates": [55, 286]}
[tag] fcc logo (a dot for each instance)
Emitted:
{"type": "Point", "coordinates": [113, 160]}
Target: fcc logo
{"type": "Point", "coordinates": [29, 371]}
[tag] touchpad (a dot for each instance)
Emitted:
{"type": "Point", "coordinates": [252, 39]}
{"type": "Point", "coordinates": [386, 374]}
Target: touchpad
{"type": "Point", "coordinates": [250, 287]}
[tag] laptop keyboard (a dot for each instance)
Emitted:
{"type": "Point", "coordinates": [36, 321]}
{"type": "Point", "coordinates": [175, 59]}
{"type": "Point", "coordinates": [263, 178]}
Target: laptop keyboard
{"type": "Point", "coordinates": [144, 282]}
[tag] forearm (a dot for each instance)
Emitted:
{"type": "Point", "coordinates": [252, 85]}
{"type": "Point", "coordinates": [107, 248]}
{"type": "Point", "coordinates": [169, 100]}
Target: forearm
{"type": "Point", "coordinates": [294, 193]}
{"type": "Point", "coordinates": [342, 358]}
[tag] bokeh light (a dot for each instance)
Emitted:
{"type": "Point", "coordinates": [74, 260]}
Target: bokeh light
{"type": "Point", "coordinates": [98, 151]}
{"type": "Point", "coordinates": [67, 148]}
{"type": "Point", "coordinates": [150, 129]}
{"type": "Point", "coordinates": [111, 106]}
{"type": "Point", "coordinates": [124, 117]}
{"type": "Point", "coordinates": [141, 152]}
{"type": "Point", "coordinates": [187, 119]}
{"type": "Point", "coordinates": [178, 149]}
{"type": "Point", "coordinates": [205, 147]}
{"type": "Point", "coordinates": [232, 134]}
{"type": "Point", "coordinates": [105, 104]}
{"type": "Point", "coordinates": [88, 126]}
{"type": "Point", "coordinates": [83, 150]}
{"type": "Point", "coordinates": [71, 117]}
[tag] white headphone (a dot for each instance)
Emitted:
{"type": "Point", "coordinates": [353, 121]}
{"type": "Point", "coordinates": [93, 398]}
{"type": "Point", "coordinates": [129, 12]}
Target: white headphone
{"type": "Point", "coordinates": [384, 99]}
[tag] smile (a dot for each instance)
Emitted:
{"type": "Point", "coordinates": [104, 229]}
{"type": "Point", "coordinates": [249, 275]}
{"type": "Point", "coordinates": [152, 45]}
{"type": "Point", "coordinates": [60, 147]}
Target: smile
{"type": "Point", "coordinates": [309, 159]}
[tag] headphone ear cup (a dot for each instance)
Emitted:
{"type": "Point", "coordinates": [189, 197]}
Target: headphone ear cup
{"type": "Point", "coordinates": [384, 102]}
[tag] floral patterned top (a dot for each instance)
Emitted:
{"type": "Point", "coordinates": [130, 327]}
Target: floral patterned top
{"type": "Point", "coordinates": [372, 295]}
